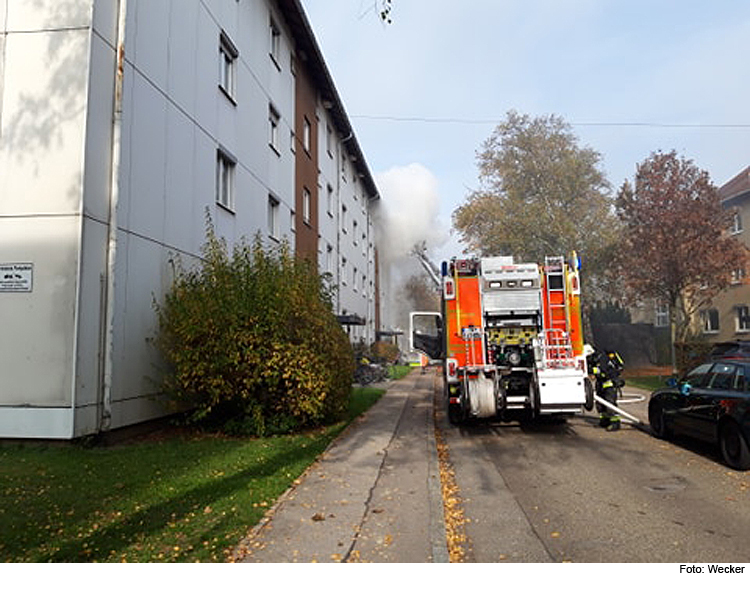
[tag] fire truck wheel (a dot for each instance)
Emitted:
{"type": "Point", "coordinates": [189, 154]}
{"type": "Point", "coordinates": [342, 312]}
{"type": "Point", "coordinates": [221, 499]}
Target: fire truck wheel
{"type": "Point", "coordinates": [455, 414]}
{"type": "Point", "coordinates": [589, 405]}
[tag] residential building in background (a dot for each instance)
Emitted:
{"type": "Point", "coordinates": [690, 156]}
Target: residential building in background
{"type": "Point", "coordinates": [123, 125]}
{"type": "Point", "coordinates": [728, 317]}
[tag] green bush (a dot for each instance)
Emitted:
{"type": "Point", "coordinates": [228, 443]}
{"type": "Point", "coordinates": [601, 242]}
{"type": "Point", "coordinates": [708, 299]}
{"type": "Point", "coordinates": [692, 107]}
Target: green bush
{"type": "Point", "coordinates": [252, 342]}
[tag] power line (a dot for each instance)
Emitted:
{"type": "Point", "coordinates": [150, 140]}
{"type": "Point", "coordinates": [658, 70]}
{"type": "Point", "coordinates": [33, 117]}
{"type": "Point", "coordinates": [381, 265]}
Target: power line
{"type": "Point", "coordinates": [464, 121]}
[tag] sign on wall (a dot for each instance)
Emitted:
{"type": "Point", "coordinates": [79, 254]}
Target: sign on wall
{"type": "Point", "coordinates": [16, 277]}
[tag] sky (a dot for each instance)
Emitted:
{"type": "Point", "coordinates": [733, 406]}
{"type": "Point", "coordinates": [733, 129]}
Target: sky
{"type": "Point", "coordinates": [632, 77]}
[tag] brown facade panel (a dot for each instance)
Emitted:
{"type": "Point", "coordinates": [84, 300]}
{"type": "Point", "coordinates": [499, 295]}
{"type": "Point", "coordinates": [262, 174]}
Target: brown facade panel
{"type": "Point", "coordinates": [306, 167]}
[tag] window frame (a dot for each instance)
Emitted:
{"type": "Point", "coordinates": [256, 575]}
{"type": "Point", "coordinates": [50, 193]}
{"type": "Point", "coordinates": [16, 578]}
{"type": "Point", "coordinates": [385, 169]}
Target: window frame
{"type": "Point", "coordinates": [274, 43]}
{"type": "Point", "coordinates": [306, 134]}
{"type": "Point", "coordinates": [306, 206]}
{"type": "Point", "coordinates": [226, 165]}
{"type": "Point", "coordinates": [274, 217]}
{"type": "Point", "coordinates": [707, 318]}
{"type": "Point", "coordinates": [661, 314]}
{"type": "Point", "coordinates": [228, 55]}
{"type": "Point", "coordinates": [274, 123]}
{"type": "Point", "coordinates": [736, 226]}
{"type": "Point", "coordinates": [742, 321]}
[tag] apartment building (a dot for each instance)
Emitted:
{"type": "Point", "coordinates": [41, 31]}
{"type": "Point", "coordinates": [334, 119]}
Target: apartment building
{"type": "Point", "coordinates": [123, 123]}
{"type": "Point", "coordinates": [728, 318]}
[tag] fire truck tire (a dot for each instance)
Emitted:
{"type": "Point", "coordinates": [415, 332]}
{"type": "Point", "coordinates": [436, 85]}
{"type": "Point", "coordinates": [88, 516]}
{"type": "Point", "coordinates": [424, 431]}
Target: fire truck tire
{"type": "Point", "coordinates": [455, 414]}
{"type": "Point", "coordinates": [589, 404]}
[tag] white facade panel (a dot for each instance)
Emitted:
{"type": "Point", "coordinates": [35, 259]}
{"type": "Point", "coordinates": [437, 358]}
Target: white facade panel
{"type": "Point", "coordinates": [44, 104]}
{"type": "Point", "coordinates": [182, 54]}
{"type": "Point", "coordinates": [182, 217]}
{"type": "Point", "coordinates": [150, 48]}
{"type": "Point", "coordinates": [105, 20]}
{"type": "Point", "coordinates": [36, 423]}
{"type": "Point", "coordinates": [98, 145]}
{"type": "Point", "coordinates": [147, 162]}
{"type": "Point", "coordinates": [35, 15]}
{"type": "Point", "coordinates": [206, 56]}
{"type": "Point", "coordinates": [91, 316]}
{"type": "Point", "coordinates": [144, 278]}
{"type": "Point", "coordinates": [37, 341]}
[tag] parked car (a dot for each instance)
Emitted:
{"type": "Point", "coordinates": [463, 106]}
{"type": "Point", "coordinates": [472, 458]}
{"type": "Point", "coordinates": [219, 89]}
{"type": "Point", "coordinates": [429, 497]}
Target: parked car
{"type": "Point", "coordinates": [731, 350]}
{"type": "Point", "coordinates": [711, 403]}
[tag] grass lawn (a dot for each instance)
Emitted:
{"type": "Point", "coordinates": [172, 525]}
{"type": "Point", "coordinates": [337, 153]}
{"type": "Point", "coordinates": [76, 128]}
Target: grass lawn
{"type": "Point", "coordinates": [649, 383]}
{"type": "Point", "coordinates": [396, 372]}
{"type": "Point", "coordinates": [184, 498]}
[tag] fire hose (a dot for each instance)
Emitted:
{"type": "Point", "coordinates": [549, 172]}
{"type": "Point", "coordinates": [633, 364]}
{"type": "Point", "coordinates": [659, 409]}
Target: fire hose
{"type": "Point", "coordinates": [618, 410]}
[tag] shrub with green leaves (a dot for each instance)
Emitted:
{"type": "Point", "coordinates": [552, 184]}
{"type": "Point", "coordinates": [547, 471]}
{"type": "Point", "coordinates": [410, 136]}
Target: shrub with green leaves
{"type": "Point", "coordinates": [251, 340]}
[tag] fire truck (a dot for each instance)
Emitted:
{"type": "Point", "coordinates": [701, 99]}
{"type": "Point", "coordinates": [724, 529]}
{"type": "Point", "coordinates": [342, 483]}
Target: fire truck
{"type": "Point", "coordinates": [510, 337]}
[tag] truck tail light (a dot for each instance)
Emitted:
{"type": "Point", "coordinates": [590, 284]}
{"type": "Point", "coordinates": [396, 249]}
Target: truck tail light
{"type": "Point", "coordinates": [449, 288]}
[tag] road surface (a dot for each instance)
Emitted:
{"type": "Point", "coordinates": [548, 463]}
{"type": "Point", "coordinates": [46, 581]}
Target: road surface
{"type": "Point", "coordinates": [573, 492]}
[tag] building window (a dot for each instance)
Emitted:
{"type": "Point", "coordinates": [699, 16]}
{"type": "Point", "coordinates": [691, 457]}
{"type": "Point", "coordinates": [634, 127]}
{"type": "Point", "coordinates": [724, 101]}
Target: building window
{"type": "Point", "coordinates": [273, 216]}
{"type": "Point", "coordinates": [329, 200]}
{"type": "Point", "coordinates": [275, 43]}
{"type": "Point", "coordinates": [736, 227]}
{"type": "Point", "coordinates": [329, 258]}
{"type": "Point", "coordinates": [225, 165]}
{"type": "Point", "coordinates": [738, 276]}
{"type": "Point", "coordinates": [710, 319]}
{"type": "Point", "coordinates": [343, 270]}
{"type": "Point", "coordinates": [329, 141]}
{"type": "Point", "coordinates": [344, 218]}
{"type": "Point", "coordinates": [306, 135]}
{"type": "Point", "coordinates": [306, 207]}
{"type": "Point", "coordinates": [273, 128]}
{"type": "Point", "coordinates": [743, 318]}
{"type": "Point", "coordinates": [662, 315]}
{"type": "Point", "coordinates": [227, 66]}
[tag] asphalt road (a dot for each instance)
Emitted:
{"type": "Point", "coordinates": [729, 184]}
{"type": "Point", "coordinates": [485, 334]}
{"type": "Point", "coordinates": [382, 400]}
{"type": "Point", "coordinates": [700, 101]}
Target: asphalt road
{"type": "Point", "coordinates": [573, 492]}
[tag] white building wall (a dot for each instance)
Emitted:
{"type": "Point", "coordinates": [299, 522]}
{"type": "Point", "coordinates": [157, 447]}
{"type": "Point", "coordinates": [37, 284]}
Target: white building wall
{"type": "Point", "coordinates": [44, 49]}
{"type": "Point", "coordinates": [57, 80]}
{"type": "Point", "coordinates": [175, 119]}
{"type": "Point", "coordinates": [346, 227]}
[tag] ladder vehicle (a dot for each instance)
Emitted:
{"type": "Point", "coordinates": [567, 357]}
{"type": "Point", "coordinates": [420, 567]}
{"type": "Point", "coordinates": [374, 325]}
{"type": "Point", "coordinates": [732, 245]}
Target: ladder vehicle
{"type": "Point", "coordinates": [510, 337]}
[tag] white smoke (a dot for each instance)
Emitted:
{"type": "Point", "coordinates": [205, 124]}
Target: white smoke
{"type": "Point", "coordinates": [409, 214]}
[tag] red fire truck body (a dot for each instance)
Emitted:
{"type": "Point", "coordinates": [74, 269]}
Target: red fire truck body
{"type": "Point", "coordinates": [510, 336]}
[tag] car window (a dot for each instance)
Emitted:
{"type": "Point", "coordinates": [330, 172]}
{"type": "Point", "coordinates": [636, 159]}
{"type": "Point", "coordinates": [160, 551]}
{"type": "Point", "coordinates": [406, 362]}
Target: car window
{"type": "Point", "coordinates": [695, 377]}
{"type": "Point", "coordinates": [740, 381]}
{"type": "Point", "coordinates": [721, 376]}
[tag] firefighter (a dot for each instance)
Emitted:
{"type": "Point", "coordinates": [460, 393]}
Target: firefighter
{"type": "Point", "coordinates": [606, 367]}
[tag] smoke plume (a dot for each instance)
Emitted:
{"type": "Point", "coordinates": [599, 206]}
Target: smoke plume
{"type": "Point", "coordinates": [409, 214]}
